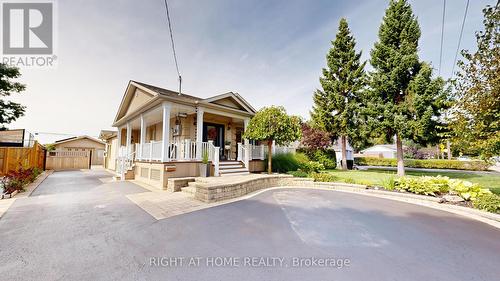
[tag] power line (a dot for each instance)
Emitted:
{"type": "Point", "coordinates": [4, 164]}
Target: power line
{"type": "Point", "coordinates": [442, 37]}
{"type": "Point", "coordinates": [459, 40]}
{"type": "Point", "coordinates": [173, 45]}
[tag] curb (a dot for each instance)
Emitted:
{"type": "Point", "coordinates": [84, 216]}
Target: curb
{"type": "Point", "coordinates": [34, 185]}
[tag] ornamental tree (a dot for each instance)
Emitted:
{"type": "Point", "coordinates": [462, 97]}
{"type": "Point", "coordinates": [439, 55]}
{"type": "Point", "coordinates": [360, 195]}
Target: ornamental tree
{"type": "Point", "coordinates": [403, 101]}
{"type": "Point", "coordinates": [315, 138]}
{"type": "Point", "coordinates": [476, 114]}
{"type": "Point", "coordinates": [273, 124]}
{"type": "Point", "coordinates": [336, 107]}
{"type": "Point", "coordinates": [9, 111]}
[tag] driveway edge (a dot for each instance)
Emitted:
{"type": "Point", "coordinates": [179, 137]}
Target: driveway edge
{"type": "Point", "coordinates": [426, 201]}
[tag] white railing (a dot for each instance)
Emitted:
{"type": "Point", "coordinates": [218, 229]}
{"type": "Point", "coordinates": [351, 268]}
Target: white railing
{"type": "Point", "coordinates": [283, 149]}
{"type": "Point", "coordinates": [259, 152]}
{"type": "Point", "coordinates": [185, 150]}
{"type": "Point", "coordinates": [213, 155]}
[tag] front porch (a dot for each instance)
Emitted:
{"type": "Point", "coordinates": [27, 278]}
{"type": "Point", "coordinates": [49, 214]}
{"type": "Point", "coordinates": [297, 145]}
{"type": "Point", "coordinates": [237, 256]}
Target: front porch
{"type": "Point", "coordinates": [163, 134]}
{"type": "Point", "coordinates": [179, 133]}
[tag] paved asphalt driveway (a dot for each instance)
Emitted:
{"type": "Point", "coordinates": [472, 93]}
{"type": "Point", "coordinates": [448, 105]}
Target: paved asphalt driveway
{"type": "Point", "coordinates": [80, 226]}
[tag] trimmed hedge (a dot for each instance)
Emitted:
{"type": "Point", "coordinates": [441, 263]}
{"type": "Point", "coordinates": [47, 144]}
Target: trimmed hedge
{"type": "Point", "coordinates": [476, 165]}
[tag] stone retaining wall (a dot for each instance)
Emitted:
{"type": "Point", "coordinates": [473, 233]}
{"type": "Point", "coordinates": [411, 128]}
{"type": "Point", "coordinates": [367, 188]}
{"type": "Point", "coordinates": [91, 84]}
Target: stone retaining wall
{"type": "Point", "coordinates": [218, 192]}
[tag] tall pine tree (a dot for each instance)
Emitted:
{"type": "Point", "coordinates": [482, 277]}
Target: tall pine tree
{"type": "Point", "coordinates": [404, 100]}
{"type": "Point", "coordinates": [337, 105]}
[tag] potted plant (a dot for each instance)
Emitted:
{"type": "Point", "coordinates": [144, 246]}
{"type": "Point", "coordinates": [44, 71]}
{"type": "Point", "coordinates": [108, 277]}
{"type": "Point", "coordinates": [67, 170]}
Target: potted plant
{"type": "Point", "coordinates": [204, 167]}
{"type": "Point", "coordinates": [227, 145]}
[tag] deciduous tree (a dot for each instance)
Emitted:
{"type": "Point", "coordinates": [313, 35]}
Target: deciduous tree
{"type": "Point", "coordinates": [9, 110]}
{"type": "Point", "coordinates": [476, 114]}
{"type": "Point", "coordinates": [273, 124]}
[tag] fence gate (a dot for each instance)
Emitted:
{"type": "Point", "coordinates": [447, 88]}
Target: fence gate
{"type": "Point", "coordinates": [68, 160]}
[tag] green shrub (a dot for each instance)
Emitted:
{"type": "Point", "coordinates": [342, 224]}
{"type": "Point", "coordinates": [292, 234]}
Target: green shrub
{"type": "Point", "coordinates": [299, 174]}
{"type": "Point", "coordinates": [284, 162]}
{"type": "Point", "coordinates": [423, 185]}
{"type": "Point", "coordinates": [324, 156]}
{"type": "Point", "coordinates": [349, 180]}
{"type": "Point", "coordinates": [301, 157]}
{"type": "Point", "coordinates": [323, 177]}
{"type": "Point", "coordinates": [475, 165]}
{"type": "Point", "coordinates": [488, 202]}
{"type": "Point", "coordinates": [311, 166]}
{"type": "Point", "coordinates": [467, 190]}
{"type": "Point", "coordinates": [389, 183]}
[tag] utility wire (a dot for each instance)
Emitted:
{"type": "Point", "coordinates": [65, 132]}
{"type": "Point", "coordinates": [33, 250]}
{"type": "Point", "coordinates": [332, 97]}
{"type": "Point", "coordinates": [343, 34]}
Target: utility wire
{"type": "Point", "coordinates": [442, 37]}
{"type": "Point", "coordinates": [173, 45]}
{"type": "Point", "coordinates": [459, 40]}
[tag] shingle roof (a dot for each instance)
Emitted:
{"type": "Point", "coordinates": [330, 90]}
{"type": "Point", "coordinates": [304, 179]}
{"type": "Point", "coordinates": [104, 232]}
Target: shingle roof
{"type": "Point", "coordinates": [166, 92]}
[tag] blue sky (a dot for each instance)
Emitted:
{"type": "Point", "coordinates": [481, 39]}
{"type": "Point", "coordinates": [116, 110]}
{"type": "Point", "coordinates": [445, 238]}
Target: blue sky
{"type": "Point", "coordinates": [271, 52]}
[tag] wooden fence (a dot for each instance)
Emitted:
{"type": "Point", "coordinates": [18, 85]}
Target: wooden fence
{"type": "Point", "coordinates": [13, 158]}
{"type": "Point", "coordinates": [58, 160]}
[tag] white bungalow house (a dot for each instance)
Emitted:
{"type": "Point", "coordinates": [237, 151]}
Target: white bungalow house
{"type": "Point", "coordinates": [162, 135]}
{"type": "Point", "coordinates": [337, 147]}
{"type": "Point", "coordinates": [380, 151]}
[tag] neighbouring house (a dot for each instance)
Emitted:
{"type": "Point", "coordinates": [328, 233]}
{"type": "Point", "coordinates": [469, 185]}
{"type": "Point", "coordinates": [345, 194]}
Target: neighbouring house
{"type": "Point", "coordinates": [163, 134]}
{"type": "Point", "coordinates": [337, 147]}
{"type": "Point", "coordinates": [380, 151]}
{"type": "Point", "coordinates": [110, 153]}
{"type": "Point", "coordinates": [83, 143]}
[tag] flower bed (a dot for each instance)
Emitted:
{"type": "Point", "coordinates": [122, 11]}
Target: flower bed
{"type": "Point", "coordinates": [18, 180]}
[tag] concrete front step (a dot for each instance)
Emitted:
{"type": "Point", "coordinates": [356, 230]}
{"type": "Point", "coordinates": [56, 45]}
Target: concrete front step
{"type": "Point", "coordinates": [222, 163]}
{"type": "Point", "coordinates": [235, 174]}
{"type": "Point", "coordinates": [230, 171]}
{"type": "Point", "coordinates": [230, 166]}
{"type": "Point", "coordinates": [191, 188]}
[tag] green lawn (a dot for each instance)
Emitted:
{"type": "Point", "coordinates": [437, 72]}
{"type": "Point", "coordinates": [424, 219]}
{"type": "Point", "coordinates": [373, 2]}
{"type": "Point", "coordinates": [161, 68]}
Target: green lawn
{"type": "Point", "coordinates": [376, 177]}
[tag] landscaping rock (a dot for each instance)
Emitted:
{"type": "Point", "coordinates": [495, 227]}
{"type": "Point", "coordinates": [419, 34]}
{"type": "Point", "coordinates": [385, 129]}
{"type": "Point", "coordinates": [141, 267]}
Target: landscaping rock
{"type": "Point", "coordinates": [453, 198]}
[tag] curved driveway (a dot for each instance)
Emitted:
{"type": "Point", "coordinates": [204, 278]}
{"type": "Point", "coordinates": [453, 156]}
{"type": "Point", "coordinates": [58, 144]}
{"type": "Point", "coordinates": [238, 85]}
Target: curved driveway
{"type": "Point", "coordinates": [80, 226]}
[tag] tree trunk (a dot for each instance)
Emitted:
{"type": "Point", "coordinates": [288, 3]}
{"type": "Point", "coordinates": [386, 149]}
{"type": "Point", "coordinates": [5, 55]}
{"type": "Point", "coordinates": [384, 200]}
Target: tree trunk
{"type": "Point", "coordinates": [344, 152]}
{"type": "Point", "coordinates": [448, 149]}
{"type": "Point", "coordinates": [269, 157]}
{"type": "Point", "coordinates": [438, 152]}
{"type": "Point", "coordinates": [399, 156]}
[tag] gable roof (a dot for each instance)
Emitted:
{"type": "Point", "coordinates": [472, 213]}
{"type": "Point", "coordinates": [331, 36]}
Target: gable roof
{"type": "Point", "coordinates": [381, 147]}
{"type": "Point", "coordinates": [78, 138]}
{"type": "Point", "coordinates": [158, 93]}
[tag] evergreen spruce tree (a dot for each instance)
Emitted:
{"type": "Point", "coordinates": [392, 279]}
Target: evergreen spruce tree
{"type": "Point", "coordinates": [404, 100]}
{"type": "Point", "coordinates": [336, 106]}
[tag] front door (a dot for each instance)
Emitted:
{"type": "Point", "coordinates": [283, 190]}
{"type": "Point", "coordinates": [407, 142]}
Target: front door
{"type": "Point", "coordinates": [215, 133]}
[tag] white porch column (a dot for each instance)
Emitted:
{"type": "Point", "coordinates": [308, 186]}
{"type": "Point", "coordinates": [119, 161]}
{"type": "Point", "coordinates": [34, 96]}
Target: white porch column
{"type": "Point", "coordinates": [119, 144]}
{"type": "Point", "coordinates": [143, 135]}
{"type": "Point", "coordinates": [199, 131]}
{"type": "Point", "coordinates": [166, 132]}
{"type": "Point", "coordinates": [245, 125]}
{"type": "Point", "coordinates": [248, 151]}
{"type": "Point", "coordinates": [129, 138]}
